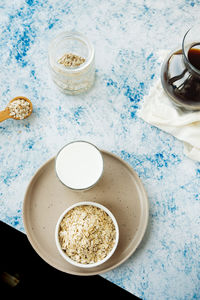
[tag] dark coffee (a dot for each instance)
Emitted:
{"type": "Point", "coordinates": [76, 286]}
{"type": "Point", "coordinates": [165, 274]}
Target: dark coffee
{"type": "Point", "coordinates": [180, 80]}
{"type": "Point", "coordinates": [194, 57]}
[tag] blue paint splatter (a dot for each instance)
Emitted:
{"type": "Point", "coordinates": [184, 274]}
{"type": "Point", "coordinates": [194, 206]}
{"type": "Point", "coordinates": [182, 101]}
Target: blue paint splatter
{"type": "Point", "coordinates": [78, 114]}
{"type": "Point", "coordinates": [152, 76]}
{"type": "Point", "coordinates": [133, 113]}
{"type": "Point", "coordinates": [159, 162]}
{"type": "Point", "coordinates": [9, 176]}
{"type": "Point", "coordinates": [135, 94]}
{"type": "Point", "coordinates": [171, 205]}
{"type": "Point", "coordinates": [52, 22]}
{"type": "Point", "coordinates": [32, 73]}
{"type": "Point", "coordinates": [51, 25]}
{"type": "Point", "coordinates": [150, 56]}
{"type": "Point", "coordinates": [28, 144]}
{"type": "Point", "coordinates": [16, 221]}
{"type": "Point", "coordinates": [110, 82]}
{"type": "Point", "coordinates": [24, 40]}
{"type": "Point", "coordinates": [198, 172]}
{"type": "Point", "coordinates": [30, 2]}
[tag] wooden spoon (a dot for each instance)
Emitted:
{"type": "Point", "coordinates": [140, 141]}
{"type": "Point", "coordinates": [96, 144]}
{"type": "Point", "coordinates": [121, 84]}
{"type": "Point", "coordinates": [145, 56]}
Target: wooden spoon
{"type": "Point", "coordinates": [5, 114]}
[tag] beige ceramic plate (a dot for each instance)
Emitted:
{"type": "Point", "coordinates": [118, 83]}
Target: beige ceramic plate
{"type": "Point", "coordinates": [119, 189]}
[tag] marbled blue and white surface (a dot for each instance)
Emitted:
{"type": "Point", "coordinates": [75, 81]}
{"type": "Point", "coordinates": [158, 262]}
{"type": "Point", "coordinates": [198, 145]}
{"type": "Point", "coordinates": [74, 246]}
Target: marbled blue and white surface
{"type": "Point", "coordinates": [126, 36]}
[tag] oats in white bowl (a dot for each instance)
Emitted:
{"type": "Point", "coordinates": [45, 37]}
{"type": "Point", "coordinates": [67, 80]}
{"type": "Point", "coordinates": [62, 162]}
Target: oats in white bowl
{"type": "Point", "coordinates": [87, 234]}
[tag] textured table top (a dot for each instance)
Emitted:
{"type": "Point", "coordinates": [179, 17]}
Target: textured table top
{"type": "Point", "coordinates": [127, 36]}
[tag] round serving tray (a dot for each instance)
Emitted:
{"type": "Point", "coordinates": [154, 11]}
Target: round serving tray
{"type": "Point", "coordinates": [119, 189]}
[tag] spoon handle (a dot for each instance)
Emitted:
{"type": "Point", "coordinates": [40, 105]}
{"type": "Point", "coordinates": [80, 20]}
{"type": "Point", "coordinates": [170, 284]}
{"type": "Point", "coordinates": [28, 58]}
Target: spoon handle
{"type": "Point", "coordinates": [4, 115]}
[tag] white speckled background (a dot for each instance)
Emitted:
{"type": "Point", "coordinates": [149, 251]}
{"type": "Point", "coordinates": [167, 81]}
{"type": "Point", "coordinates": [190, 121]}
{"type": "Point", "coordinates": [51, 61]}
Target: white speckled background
{"type": "Point", "coordinates": [126, 36]}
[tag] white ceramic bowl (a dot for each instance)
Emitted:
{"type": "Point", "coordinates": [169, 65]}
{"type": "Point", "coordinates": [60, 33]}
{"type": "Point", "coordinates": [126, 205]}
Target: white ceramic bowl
{"type": "Point", "coordinates": [65, 256]}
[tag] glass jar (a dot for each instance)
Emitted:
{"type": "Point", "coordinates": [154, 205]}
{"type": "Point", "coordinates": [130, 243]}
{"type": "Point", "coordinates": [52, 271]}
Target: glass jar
{"type": "Point", "coordinates": [72, 79]}
{"type": "Point", "coordinates": [180, 73]}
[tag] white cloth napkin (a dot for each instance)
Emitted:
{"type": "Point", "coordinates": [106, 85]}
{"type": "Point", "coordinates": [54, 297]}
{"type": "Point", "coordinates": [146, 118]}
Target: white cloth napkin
{"type": "Point", "coordinates": [158, 110]}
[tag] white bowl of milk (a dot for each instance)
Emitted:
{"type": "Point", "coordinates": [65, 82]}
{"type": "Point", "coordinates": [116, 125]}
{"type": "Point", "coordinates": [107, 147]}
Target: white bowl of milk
{"type": "Point", "coordinates": [79, 165]}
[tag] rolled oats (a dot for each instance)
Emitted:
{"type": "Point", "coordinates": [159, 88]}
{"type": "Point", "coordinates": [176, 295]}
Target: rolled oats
{"type": "Point", "coordinates": [71, 60]}
{"type": "Point", "coordinates": [87, 234]}
{"type": "Point", "coordinates": [19, 109]}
